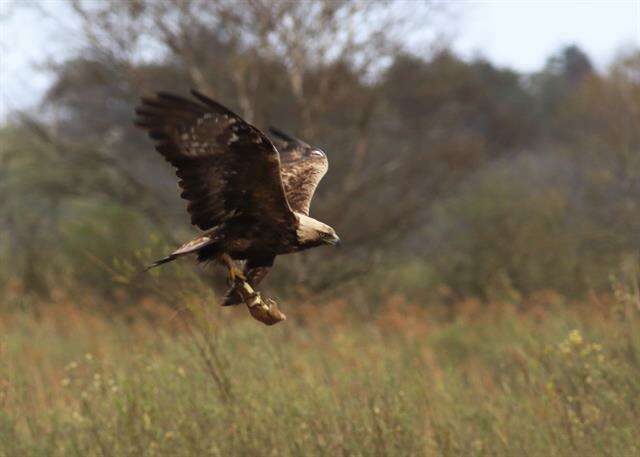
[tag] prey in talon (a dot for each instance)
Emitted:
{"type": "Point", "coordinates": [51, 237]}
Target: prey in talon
{"type": "Point", "coordinates": [248, 191]}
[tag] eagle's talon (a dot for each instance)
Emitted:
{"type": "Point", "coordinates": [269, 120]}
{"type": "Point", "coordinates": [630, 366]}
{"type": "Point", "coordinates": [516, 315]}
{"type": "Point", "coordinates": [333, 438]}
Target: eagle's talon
{"type": "Point", "coordinates": [235, 274]}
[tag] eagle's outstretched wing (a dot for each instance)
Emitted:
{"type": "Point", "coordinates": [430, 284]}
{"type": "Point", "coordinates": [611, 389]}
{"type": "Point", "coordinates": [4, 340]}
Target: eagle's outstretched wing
{"type": "Point", "coordinates": [227, 167]}
{"type": "Point", "coordinates": [302, 167]}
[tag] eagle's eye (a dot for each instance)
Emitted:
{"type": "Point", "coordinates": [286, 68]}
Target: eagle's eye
{"type": "Point", "coordinates": [317, 152]}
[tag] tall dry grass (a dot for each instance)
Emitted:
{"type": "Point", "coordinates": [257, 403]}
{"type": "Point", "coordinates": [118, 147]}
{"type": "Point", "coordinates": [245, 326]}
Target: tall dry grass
{"type": "Point", "coordinates": [556, 379]}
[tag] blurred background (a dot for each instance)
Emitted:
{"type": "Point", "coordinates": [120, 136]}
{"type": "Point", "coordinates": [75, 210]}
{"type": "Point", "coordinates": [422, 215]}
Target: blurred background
{"type": "Point", "coordinates": [469, 157]}
{"type": "Point", "coordinates": [484, 178]}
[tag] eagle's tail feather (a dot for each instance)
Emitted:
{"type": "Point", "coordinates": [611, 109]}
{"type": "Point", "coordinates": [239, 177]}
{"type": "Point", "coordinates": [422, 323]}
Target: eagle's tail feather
{"type": "Point", "coordinates": [192, 246]}
{"type": "Point", "coordinates": [164, 260]}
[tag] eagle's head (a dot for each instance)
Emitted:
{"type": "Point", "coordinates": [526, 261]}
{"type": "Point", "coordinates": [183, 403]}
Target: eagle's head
{"type": "Point", "coordinates": [312, 232]}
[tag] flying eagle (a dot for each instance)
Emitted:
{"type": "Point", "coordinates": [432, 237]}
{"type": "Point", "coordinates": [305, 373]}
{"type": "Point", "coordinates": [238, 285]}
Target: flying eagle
{"type": "Point", "coordinates": [250, 195]}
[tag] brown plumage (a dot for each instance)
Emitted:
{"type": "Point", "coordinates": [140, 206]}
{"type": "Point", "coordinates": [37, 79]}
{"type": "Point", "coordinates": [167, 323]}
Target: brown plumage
{"type": "Point", "coordinates": [250, 198]}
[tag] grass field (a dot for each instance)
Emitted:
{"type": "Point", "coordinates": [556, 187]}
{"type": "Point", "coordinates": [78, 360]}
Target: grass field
{"type": "Point", "coordinates": [554, 380]}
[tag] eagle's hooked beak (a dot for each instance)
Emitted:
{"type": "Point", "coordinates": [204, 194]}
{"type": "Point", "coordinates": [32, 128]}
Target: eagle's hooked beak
{"type": "Point", "coordinates": [335, 241]}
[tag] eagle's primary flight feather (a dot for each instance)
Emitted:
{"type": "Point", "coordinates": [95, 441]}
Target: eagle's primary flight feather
{"type": "Point", "coordinates": [250, 195]}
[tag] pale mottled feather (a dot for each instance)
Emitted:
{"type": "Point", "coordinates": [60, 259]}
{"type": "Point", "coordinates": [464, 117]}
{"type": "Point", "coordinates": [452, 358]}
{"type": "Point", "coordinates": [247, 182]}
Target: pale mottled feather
{"type": "Point", "coordinates": [302, 167]}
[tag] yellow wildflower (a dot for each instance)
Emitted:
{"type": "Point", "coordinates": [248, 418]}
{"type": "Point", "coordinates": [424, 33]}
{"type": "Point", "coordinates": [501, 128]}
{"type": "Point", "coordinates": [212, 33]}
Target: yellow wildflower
{"type": "Point", "coordinates": [146, 421]}
{"type": "Point", "coordinates": [575, 338]}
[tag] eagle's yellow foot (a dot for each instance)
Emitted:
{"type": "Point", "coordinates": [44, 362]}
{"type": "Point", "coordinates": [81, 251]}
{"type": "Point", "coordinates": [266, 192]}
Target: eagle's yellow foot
{"type": "Point", "coordinates": [234, 273]}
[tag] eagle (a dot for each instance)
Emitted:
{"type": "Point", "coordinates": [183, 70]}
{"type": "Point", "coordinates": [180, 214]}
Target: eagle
{"type": "Point", "coordinates": [247, 192]}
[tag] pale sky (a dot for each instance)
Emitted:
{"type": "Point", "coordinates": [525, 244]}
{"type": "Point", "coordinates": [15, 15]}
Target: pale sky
{"type": "Point", "coordinates": [522, 34]}
{"type": "Point", "coordinates": [512, 33]}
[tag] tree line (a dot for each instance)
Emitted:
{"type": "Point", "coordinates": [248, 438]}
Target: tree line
{"type": "Point", "coordinates": [446, 174]}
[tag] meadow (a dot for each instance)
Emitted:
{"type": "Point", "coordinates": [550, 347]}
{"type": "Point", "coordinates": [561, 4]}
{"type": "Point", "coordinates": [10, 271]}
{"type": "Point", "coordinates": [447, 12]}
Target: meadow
{"type": "Point", "coordinates": [499, 379]}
